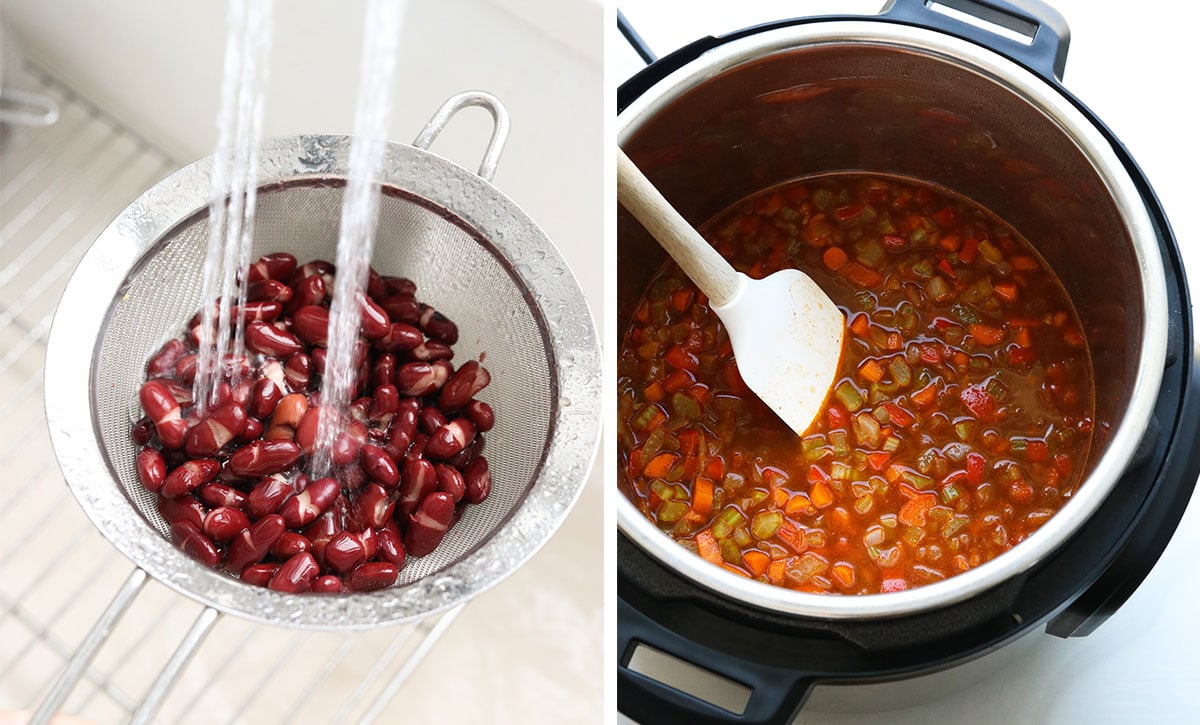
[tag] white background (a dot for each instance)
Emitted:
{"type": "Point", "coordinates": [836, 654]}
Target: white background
{"type": "Point", "coordinates": [1135, 65]}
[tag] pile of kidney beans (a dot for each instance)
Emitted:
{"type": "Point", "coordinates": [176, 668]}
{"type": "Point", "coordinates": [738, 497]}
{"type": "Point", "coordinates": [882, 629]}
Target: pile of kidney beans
{"type": "Point", "coordinates": [232, 483]}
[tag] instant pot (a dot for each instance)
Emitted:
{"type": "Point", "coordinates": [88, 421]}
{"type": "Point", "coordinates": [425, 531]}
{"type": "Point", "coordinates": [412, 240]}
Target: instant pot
{"type": "Point", "coordinates": [918, 93]}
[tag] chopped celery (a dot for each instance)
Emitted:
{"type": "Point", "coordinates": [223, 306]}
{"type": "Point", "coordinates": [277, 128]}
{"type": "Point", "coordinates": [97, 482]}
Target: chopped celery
{"type": "Point", "coordinates": [964, 429]}
{"type": "Point", "coordinates": [863, 504]}
{"type": "Point", "coordinates": [869, 252]}
{"type": "Point", "coordinates": [662, 489]}
{"type": "Point", "coordinates": [955, 525]}
{"type": "Point", "coordinates": [766, 524]}
{"type": "Point", "coordinates": [841, 471]}
{"type": "Point", "coordinates": [901, 371]}
{"type": "Point", "coordinates": [956, 451]}
{"type": "Point", "coordinates": [917, 481]}
{"type": "Point", "coordinates": [671, 511]}
{"type": "Point", "coordinates": [685, 406]}
{"type": "Point", "coordinates": [950, 493]}
{"type": "Point", "coordinates": [730, 551]}
{"type": "Point", "coordinates": [646, 416]}
{"type": "Point", "coordinates": [654, 443]}
{"type": "Point", "coordinates": [733, 482]}
{"type": "Point", "coordinates": [848, 395]}
{"type": "Point", "coordinates": [841, 446]}
{"type": "Point", "coordinates": [965, 314]}
{"type": "Point", "coordinates": [741, 537]}
{"type": "Point", "coordinates": [938, 289]}
{"type": "Point", "coordinates": [888, 520]}
{"type": "Point", "coordinates": [866, 430]}
{"type": "Point", "coordinates": [891, 444]}
{"type": "Point", "coordinates": [913, 535]}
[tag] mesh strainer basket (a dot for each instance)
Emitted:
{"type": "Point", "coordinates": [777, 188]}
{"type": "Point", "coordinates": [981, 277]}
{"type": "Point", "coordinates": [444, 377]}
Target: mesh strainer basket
{"type": "Point", "coordinates": [474, 255]}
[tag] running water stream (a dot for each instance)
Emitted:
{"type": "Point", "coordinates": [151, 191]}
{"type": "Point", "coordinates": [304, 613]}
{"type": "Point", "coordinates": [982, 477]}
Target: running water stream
{"type": "Point", "coordinates": [360, 213]}
{"type": "Point", "coordinates": [234, 182]}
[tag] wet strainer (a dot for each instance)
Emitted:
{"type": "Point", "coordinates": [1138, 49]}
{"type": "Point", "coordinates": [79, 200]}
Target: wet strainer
{"type": "Point", "coordinates": [474, 255]}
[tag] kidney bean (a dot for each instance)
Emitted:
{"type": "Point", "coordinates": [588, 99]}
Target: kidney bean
{"type": "Point", "coordinates": [428, 524]}
{"type": "Point", "coordinates": [259, 574]}
{"type": "Point", "coordinates": [296, 574]}
{"type": "Point", "coordinates": [375, 286]}
{"type": "Point", "coordinates": [481, 415]}
{"type": "Point", "coordinates": [404, 426]}
{"type": "Point", "coordinates": [374, 506]}
{"type": "Point", "coordinates": [269, 291]}
{"type": "Point", "coordinates": [318, 267]}
{"type": "Point", "coordinates": [162, 364]}
{"type": "Point", "coordinates": [370, 541]}
{"type": "Point", "coordinates": [466, 382]}
{"type": "Point", "coordinates": [400, 286]}
{"type": "Point", "coordinates": [385, 403]}
{"type": "Point", "coordinates": [311, 324]}
{"type": "Point", "coordinates": [217, 494]}
{"type": "Point", "coordinates": [250, 546]}
{"type": "Point", "coordinates": [297, 372]}
{"type": "Point", "coordinates": [431, 419]}
{"type": "Point", "coordinates": [416, 451]}
{"type": "Point", "coordinates": [306, 431]}
{"type": "Point", "coordinates": [437, 325]}
{"type": "Point", "coordinates": [450, 480]}
{"type": "Point", "coordinates": [184, 508]}
{"type": "Point", "coordinates": [304, 507]}
{"type": "Point", "coordinates": [194, 543]}
{"type": "Point", "coordinates": [399, 336]}
{"type": "Point", "coordinates": [309, 291]}
{"type": "Point", "coordinates": [327, 584]}
{"type": "Point", "coordinates": [375, 321]}
{"type": "Point", "coordinates": [348, 443]}
{"type": "Point", "coordinates": [253, 431]}
{"type": "Point", "coordinates": [418, 379]}
{"type": "Point", "coordinates": [190, 476]}
{"type": "Point", "coordinates": [279, 265]}
{"type": "Point", "coordinates": [264, 396]}
{"type": "Point", "coordinates": [151, 469]}
{"type": "Point", "coordinates": [268, 495]}
{"type": "Point", "coordinates": [259, 311]}
{"type": "Point", "coordinates": [371, 576]}
{"type": "Point", "coordinates": [384, 371]}
{"type": "Point", "coordinates": [143, 430]}
{"type": "Point", "coordinates": [418, 479]}
{"type": "Point", "coordinates": [401, 308]}
{"type": "Point", "coordinates": [262, 458]}
{"type": "Point", "coordinates": [163, 409]}
{"type": "Point", "coordinates": [268, 340]}
{"type": "Point", "coordinates": [479, 480]}
{"type": "Point", "coordinates": [359, 410]}
{"type": "Point", "coordinates": [289, 411]}
{"type": "Point", "coordinates": [185, 369]}
{"type": "Point", "coordinates": [431, 350]}
{"type": "Point", "coordinates": [224, 523]}
{"type": "Point", "coordinates": [468, 454]}
{"type": "Point", "coordinates": [344, 552]}
{"type": "Point", "coordinates": [449, 440]}
{"type": "Point", "coordinates": [380, 466]}
{"type": "Point", "coordinates": [321, 531]}
{"type": "Point", "coordinates": [210, 435]}
{"type": "Point", "coordinates": [290, 544]}
{"type": "Point", "coordinates": [391, 548]}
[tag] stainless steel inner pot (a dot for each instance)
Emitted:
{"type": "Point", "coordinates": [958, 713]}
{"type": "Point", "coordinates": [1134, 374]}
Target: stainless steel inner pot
{"type": "Point", "coordinates": [888, 98]}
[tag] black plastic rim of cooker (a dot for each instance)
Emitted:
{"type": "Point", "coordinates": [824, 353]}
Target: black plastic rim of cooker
{"type": "Point", "coordinates": [1072, 591]}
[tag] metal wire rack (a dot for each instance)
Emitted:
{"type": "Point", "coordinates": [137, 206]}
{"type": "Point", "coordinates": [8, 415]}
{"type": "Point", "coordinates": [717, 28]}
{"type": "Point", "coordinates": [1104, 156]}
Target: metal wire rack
{"type": "Point", "coordinates": [59, 187]}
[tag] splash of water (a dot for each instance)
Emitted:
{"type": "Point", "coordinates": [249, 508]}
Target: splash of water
{"type": "Point", "coordinates": [234, 177]}
{"type": "Point", "coordinates": [360, 213]}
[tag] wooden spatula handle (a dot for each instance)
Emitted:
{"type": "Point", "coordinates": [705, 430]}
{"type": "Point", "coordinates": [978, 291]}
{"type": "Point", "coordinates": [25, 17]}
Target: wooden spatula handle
{"type": "Point", "coordinates": [703, 264]}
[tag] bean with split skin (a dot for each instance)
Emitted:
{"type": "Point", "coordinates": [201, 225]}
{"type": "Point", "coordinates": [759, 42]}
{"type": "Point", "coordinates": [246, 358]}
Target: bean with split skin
{"type": "Point", "coordinates": [418, 479]}
{"type": "Point", "coordinates": [418, 379]}
{"type": "Point", "coordinates": [431, 350]}
{"type": "Point", "coordinates": [184, 508]}
{"type": "Point", "coordinates": [449, 440]}
{"type": "Point", "coordinates": [311, 324]}
{"type": "Point", "coordinates": [428, 524]}
{"type": "Point", "coordinates": [194, 543]}
{"type": "Point", "coordinates": [479, 480]}
{"type": "Point", "coordinates": [345, 551]}
{"type": "Point", "coordinates": [431, 419]}
{"type": "Point", "coordinates": [269, 340]}
{"type": "Point", "coordinates": [270, 290]}
{"type": "Point", "coordinates": [402, 308]}
{"type": "Point", "coordinates": [480, 414]}
{"type": "Point", "coordinates": [262, 458]}
{"type": "Point", "coordinates": [465, 384]}
{"type": "Point", "coordinates": [297, 372]}
{"type": "Point", "coordinates": [250, 546]}
{"type": "Point", "coordinates": [375, 506]}
{"type": "Point", "coordinates": [190, 476]}
{"type": "Point", "coordinates": [268, 495]}
{"type": "Point", "coordinates": [151, 469]}
{"type": "Point", "coordinates": [309, 291]}
{"type": "Point", "coordinates": [437, 325]}
{"type": "Point", "coordinates": [296, 574]}
{"type": "Point", "coordinates": [278, 265]}
{"type": "Point", "coordinates": [163, 409]}
{"type": "Point", "coordinates": [304, 507]}
{"type": "Point", "coordinates": [451, 481]}
{"type": "Point", "coordinates": [210, 435]}
{"type": "Point", "coordinates": [379, 466]}
{"type": "Point", "coordinates": [162, 364]}
{"type": "Point", "coordinates": [375, 321]}
{"type": "Point", "coordinates": [218, 494]}
{"type": "Point", "coordinates": [400, 336]}
{"type": "Point", "coordinates": [224, 523]}
{"type": "Point", "coordinates": [391, 546]}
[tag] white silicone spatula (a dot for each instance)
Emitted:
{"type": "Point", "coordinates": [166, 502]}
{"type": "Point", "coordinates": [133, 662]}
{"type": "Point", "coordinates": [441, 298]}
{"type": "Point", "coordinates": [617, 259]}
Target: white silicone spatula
{"type": "Point", "coordinates": [786, 333]}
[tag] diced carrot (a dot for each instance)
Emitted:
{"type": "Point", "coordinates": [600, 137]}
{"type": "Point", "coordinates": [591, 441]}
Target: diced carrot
{"type": "Point", "coordinates": [1024, 337]}
{"type": "Point", "coordinates": [702, 496]}
{"type": "Point", "coordinates": [681, 299]}
{"type": "Point", "coordinates": [677, 380]}
{"type": "Point", "coordinates": [986, 334]}
{"type": "Point", "coordinates": [756, 561]}
{"type": "Point", "coordinates": [861, 275]}
{"type": "Point", "coordinates": [654, 392]}
{"type": "Point", "coordinates": [797, 504]}
{"type": "Point", "coordinates": [871, 371]}
{"type": "Point", "coordinates": [843, 574]}
{"type": "Point", "coordinates": [1023, 263]}
{"type": "Point", "coordinates": [945, 217]}
{"type": "Point", "coordinates": [878, 459]}
{"type": "Point", "coordinates": [768, 203]}
{"type": "Point", "coordinates": [913, 512]}
{"type": "Point", "coordinates": [839, 518]}
{"type": "Point", "coordinates": [714, 467]}
{"type": "Point", "coordinates": [1006, 291]}
{"type": "Point", "coordinates": [699, 393]}
{"type": "Point", "coordinates": [660, 465]}
{"type": "Point", "coordinates": [821, 494]}
{"type": "Point", "coordinates": [816, 474]}
{"type": "Point", "coordinates": [691, 466]}
{"type": "Point", "coordinates": [969, 251]}
{"type": "Point", "coordinates": [925, 396]}
{"type": "Point", "coordinates": [835, 258]}
{"type": "Point", "coordinates": [679, 357]}
{"type": "Point", "coordinates": [946, 269]}
{"type": "Point", "coordinates": [893, 473]}
{"type": "Point", "coordinates": [776, 570]}
{"type": "Point", "coordinates": [635, 462]}
{"type": "Point", "coordinates": [950, 242]}
{"type": "Point", "coordinates": [689, 442]}
{"type": "Point", "coordinates": [979, 401]}
{"type": "Point", "coordinates": [706, 543]}
{"type": "Point", "coordinates": [860, 325]}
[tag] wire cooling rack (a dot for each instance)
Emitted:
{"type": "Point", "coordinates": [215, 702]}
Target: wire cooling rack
{"type": "Point", "coordinates": [59, 187]}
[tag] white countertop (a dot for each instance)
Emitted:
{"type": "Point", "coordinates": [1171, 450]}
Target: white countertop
{"type": "Point", "coordinates": [1135, 67]}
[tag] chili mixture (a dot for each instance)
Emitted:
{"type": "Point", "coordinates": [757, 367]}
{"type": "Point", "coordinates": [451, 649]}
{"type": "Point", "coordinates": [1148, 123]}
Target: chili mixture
{"type": "Point", "coordinates": [958, 425]}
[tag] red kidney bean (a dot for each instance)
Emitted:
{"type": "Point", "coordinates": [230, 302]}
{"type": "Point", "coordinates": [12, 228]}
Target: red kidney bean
{"type": "Point", "coordinates": [259, 574]}
{"type": "Point", "coordinates": [250, 546]}
{"type": "Point", "coordinates": [401, 308]}
{"type": "Point", "coordinates": [384, 372]}
{"type": "Point", "coordinates": [210, 435]}
{"type": "Point", "coordinates": [319, 267]}
{"type": "Point", "coordinates": [310, 291]}
{"type": "Point", "coordinates": [304, 507]}
{"type": "Point", "coordinates": [279, 265]}
{"type": "Point", "coordinates": [218, 494]}
{"type": "Point", "coordinates": [224, 523]}
{"type": "Point", "coordinates": [289, 411]}
{"type": "Point", "coordinates": [466, 382]}
{"type": "Point", "coordinates": [481, 415]}
{"type": "Point", "coordinates": [306, 431]}
{"type": "Point", "coordinates": [311, 324]}
{"type": "Point", "coordinates": [190, 476]}
{"type": "Point", "coordinates": [290, 544]}
{"type": "Point", "coordinates": [259, 311]}
{"type": "Point", "coordinates": [375, 286]}
{"type": "Point", "coordinates": [348, 443]}
{"type": "Point", "coordinates": [370, 541]}
{"type": "Point", "coordinates": [162, 364]}
{"type": "Point", "coordinates": [296, 574]}
{"type": "Point", "coordinates": [185, 369]}
{"type": "Point", "coordinates": [297, 372]}
{"type": "Point", "coordinates": [371, 576]}
{"type": "Point", "coordinates": [375, 321]}
{"type": "Point", "coordinates": [143, 431]}
{"type": "Point", "coordinates": [359, 409]}
{"type": "Point", "coordinates": [380, 466]}
{"type": "Point", "coordinates": [194, 543]}
{"type": "Point", "coordinates": [437, 325]}
{"type": "Point", "coordinates": [431, 419]}
{"type": "Point", "coordinates": [418, 480]}
{"type": "Point", "coordinates": [322, 530]}
{"type": "Point", "coordinates": [391, 548]}
{"type": "Point", "coordinates": [328, 584]}
{"type": "Point", "coordinates": [262, 458]}
{"type": "Point", "coordinates": [399, 336]}
{"type": "Point", "coordinates": [264, 396]}
{"type": "Point", "coordinates": [151, 469]}
{"type": "Point", "coordinates": [468, 454]}
{"type": "Point", "coordinates": [253, 431]}
{"type": "Point", "coordinates": [374, 506]}
{"type": "Point", "coordinates": [418, 379]}
{"type": "Point", "coordinates": [268, 495]}
{"type": "Point", "coordinates": [400, 286]}
{"type": "Point", "coordinates": [184, 508]}
{"type": "Point", "coordinates": [163, 409]}
{"type": "Point", "coordinates": [428, 524]}
{"type": "Point", "coordinates": [352, 478]}
{"type": "Point", "coordinates": [385, 403]}
{"type": "Point", "coordinates": [404, 426]}
{"type": "Point", "coordinates": [416, 451]}
{"type": "Point", "coordinates": [431, 350]}
{"type": "Point", "coordinates": [269, 291]}
{"type": "Point", "coordinates": [450, 480]}
{"type": "Point", "coordinates": [449, 440]}
{"type": "Point", "coordinates": [318, 355]}
{"type": "Point", "coordinates": [479, 480]}
{"type": "Point", "coordinates": [344, 552]}
{"type": "Point", "coordinates": [268, 340]}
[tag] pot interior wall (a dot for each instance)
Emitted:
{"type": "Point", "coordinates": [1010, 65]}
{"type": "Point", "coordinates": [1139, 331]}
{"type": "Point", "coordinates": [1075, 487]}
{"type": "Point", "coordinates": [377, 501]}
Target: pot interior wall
{"type": "Point", "coordinates": [882, 108]}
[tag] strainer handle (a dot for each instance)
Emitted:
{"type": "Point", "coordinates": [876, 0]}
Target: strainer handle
{"type": "Point", "coordinates": [500, 126]}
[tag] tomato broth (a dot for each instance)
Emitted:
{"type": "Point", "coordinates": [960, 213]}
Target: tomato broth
{"type": "Point", "coordinates": [959, 423]}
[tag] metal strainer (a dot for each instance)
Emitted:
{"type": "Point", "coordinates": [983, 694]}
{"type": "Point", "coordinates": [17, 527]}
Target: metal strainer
{"type": "Point", "coordinates": [474, 255]}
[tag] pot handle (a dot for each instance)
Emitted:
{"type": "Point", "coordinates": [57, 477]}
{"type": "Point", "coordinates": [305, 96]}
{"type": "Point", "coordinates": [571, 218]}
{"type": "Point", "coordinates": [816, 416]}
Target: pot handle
{"type": "Point", "coordinates": [776, 693]}
{"type": "Point", "coordinates": [1045, 52]}
{"type": "Point", "coordinates": [454, 104]}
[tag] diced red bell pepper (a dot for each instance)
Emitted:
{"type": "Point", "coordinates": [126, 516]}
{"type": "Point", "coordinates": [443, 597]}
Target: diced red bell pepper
{"type": "Point", "coordinates": [898, 415]}
{"type": "Point", "coordinates": [680, 358]}
{"type": "Point", "coordinates": [979, 401]}
{"type": "Point", "coordinates": [677, 380]}
{"type": "Point", "coordinates": [976, 468]}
